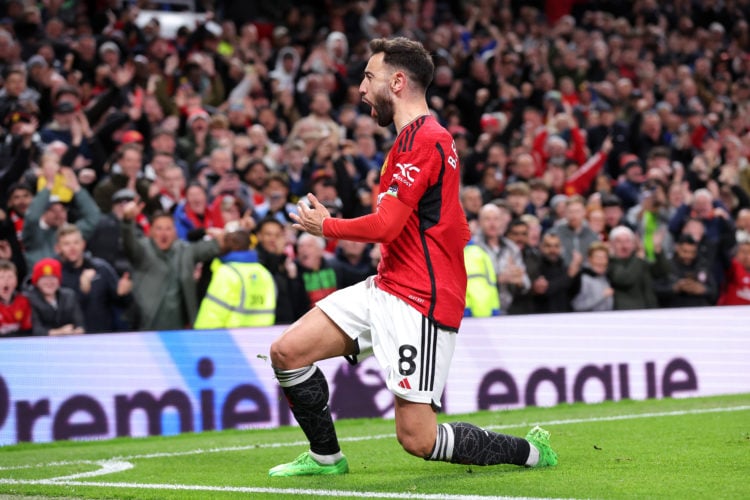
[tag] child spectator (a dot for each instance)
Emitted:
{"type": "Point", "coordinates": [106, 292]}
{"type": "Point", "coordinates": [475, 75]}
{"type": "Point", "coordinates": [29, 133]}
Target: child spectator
{"type": "Point", "coordinates": [55, 309]}
{"type": "Point", "coordinates": [15, 310]}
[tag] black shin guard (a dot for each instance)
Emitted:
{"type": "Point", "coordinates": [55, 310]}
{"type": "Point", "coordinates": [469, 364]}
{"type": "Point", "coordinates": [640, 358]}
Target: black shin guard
{"type": "Point", "coordinates": [462, 443]}
{"type": "Point", "coordinates": [306, 390]}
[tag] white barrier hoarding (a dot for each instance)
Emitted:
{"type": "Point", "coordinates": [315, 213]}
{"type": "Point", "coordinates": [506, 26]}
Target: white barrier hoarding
{"type": "Point", "coordinates": [152, 383]}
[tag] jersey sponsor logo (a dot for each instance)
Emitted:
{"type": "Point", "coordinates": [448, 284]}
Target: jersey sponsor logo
{"type": "Point", "coordinates": [406, 172]}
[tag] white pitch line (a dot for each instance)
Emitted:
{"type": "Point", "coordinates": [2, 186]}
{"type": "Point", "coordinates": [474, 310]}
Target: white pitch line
{"type": "Point", "coordinates": [200, 451]}
{"type": "Point", "coordinates": [106, 467]}
{"type": "Point", "coordinates": [275, 491]}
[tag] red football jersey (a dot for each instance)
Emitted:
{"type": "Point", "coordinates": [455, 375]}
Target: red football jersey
{"type": "Point", "coordinates": [424, 265]}
{"type": "Point", "coordinates": [15, 315]}
{"type": "Point", "coordinates": [737, 287]}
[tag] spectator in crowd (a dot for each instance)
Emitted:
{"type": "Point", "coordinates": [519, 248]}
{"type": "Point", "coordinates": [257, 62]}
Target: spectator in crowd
{"type": "Point", "coordinates": [163, 285]}
{"type": "Point", "coordinates": [506, 258]}
{"type": "Point", "coordinates": [276, 194]}
{"type": "Point", "coordinates": [292, 300]}
{"type": "Point", "coordinates": [15, 309]}
{"type": "Point", "coordinates": [321, 275]}
{"type": "Point", "coordinates": [575, 235]}
{"type": "Point", "coordinates": [471, 201]}
{"type": "Point", "coordinates": [581, 180]}
{"type": "Point", "coordinates": [718, 228]}
{"type": "Point", "coordinates": [742, 223]}
{"type": "Point", "coordinates": [242, 291]}
{"type": "Point", "coordinates": [737, 283]}
{"type": "Point", "coordinates": [354, 257]}
{"type": "Point", "coordinates": [594, 291]}
{"type": "Point", "coordinates": [631, 276]}
{"type": "Point", "coordinates": [221, 178]}
{"type": "Point", "coordinates": [11, 225]}
{"type": "Point", "coordinates": [520, 232]}
{"type": "Point", "coordinates": [628, 189]}
{"type": "Point", "coordinates": [102, 296]}
{"type": "Point", "coordinates": [193, 215]}
{"type": "Point", "coordinates": [539, 197]}
{"type": "Point", "coordinates": [553, 289]}
{"type": "Point", "coordinates": [614, 214]}
{"type": "Point", "coordinates": [517, 195]}
{"type": "Point", "coordinates": [55, 309]}
{"type": "Point", "coordinates": [650, 216]}
{"type": "Point", "coordinates": [482, 293]}
{"type": "Point", "coordinates": [197, 143]}
{"type": "Point", "coordinates": [690, 282]}
{"type": "Point", "coordinates": [530, 97]}
{"type": "Point", "coordinates": [126, 172]}
{"type": "Point", "coordinates": [106, 241]}
{"type": "Point", "coordinates": [167, 188]}
{"type": "Point", "coordinates": [47, 213]}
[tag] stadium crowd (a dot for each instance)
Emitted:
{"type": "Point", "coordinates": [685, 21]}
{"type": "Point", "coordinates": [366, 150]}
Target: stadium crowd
{"type": "Point", "coordinates": [604, 151]}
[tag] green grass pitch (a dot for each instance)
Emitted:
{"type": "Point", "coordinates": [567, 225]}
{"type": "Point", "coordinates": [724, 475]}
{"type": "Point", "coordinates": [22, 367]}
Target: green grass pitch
{"type": "Point", "coordinates": [673, 448]}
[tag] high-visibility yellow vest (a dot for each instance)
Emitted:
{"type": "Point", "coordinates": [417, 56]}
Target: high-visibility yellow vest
{"type": "Point", "coordinates": [240, 294]}
{"type": "Point", "coordinates": [482, 295]}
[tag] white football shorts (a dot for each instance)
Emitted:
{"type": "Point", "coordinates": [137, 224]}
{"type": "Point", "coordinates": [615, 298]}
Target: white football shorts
{"type": "Point", "coordinates": [413, 352]}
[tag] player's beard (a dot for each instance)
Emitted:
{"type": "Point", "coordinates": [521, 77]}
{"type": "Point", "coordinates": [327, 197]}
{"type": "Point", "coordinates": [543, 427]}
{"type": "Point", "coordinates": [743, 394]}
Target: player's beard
{"type": "Point", "coordinates": [383, 106]}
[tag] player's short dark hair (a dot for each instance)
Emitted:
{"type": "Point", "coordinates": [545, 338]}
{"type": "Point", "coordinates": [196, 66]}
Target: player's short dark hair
{"type": "Point", "coordinates": [407, 55]}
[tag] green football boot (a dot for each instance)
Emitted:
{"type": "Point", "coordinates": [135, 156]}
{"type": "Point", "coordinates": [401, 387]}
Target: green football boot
{"type": "Point", "coordinates": [540, 439]}
{"type": "Point", "coordinates": [305, 465]}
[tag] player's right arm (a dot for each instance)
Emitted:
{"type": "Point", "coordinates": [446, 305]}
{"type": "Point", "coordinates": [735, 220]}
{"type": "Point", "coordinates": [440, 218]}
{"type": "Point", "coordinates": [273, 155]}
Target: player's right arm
{"type": "Point", "coordinates": [381, 226]}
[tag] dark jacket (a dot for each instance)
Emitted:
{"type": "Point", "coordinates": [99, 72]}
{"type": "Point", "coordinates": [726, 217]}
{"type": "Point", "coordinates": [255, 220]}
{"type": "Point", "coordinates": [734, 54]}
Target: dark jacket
{"type": "Point", "coordinates": [632, 280]}
{"type": "Point", "coordinates": [292, 301]}
{"type": "Point", "coordinates": [44, 317]}
{"type": "Point", "coordinates": [525, 303]}
{"type": "Point", "coordinates": [557, 297]}
{"type": "Point", "coordinates": [99, 304]}
{"type": "Point", "coordinates": [697, 270]}
{"type": "Point", "coordinates": [106, 243]}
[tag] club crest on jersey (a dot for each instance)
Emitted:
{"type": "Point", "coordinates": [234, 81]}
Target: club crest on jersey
{"type": "Point", "coordinates": [406, 172]}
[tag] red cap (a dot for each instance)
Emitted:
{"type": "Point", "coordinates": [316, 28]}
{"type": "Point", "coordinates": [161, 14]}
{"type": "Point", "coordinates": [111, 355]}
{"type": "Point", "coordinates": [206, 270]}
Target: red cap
{"type": "Point", "coordinates": [46, 267]}
{"type": "Point", "coordinates": [131, 136]}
